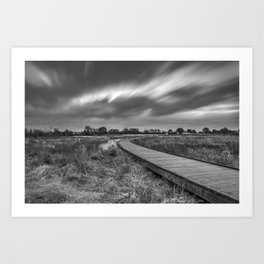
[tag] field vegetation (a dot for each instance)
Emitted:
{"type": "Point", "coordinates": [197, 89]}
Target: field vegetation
{"type": "Point", "coordinates": [92, 170]}
{"type": "Point", "coordinates": [218, 149]}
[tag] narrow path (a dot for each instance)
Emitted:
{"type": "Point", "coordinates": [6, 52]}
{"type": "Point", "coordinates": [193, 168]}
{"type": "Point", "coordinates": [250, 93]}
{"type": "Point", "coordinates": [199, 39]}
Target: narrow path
{"type": "Point", "coordinates": [214, 183]}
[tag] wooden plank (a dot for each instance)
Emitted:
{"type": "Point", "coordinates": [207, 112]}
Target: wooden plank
{"type": "Point", "coordinates": [214, 183]}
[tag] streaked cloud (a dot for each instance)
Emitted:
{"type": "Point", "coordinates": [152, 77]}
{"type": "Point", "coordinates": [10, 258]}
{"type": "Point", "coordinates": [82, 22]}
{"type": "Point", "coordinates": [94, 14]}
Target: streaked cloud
{"type": "Point", "coordinates": [143, 93]}
{"type": "Point", "coordinates": [36, 77]}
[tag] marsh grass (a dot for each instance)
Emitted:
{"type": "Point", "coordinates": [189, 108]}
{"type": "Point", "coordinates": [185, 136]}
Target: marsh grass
{"type": "Point", "coordinates": [92, 170]}
{"type": "Point", "coordinates": [218, 149]}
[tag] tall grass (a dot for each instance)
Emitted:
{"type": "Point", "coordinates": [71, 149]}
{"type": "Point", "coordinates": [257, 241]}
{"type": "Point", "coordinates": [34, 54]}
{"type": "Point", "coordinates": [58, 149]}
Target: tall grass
{"type": "Point", "coordinates": [219, 149]}
{"type": "Point", "coordinates": [92, 170]}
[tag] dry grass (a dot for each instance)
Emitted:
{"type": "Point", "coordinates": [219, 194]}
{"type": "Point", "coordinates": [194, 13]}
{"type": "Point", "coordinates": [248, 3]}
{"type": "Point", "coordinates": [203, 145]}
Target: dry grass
{"type": "Point", "coordinates": [219, 149]}
{"type": "Point", "coordinates": [92, 170]}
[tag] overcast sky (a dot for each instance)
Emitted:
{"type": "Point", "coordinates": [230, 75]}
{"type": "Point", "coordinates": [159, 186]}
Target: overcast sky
{"type": "Point", "coordinates": [142, 94]}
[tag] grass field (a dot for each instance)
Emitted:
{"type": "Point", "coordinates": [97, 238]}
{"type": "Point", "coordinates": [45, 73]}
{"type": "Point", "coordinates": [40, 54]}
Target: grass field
{"type": "Point", "coordinates": [91, 170]}
{"type": "Point", "coordinates": [219, 149]}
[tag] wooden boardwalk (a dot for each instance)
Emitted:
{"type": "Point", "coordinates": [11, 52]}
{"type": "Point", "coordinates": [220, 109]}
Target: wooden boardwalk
{"type": "Point", "coordinates": [214, 183]}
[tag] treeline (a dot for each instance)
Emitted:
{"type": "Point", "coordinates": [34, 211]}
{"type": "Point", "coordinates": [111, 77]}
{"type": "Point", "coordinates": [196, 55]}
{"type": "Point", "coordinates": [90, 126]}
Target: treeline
{"type": "Point", "coordinates": [89, 131]}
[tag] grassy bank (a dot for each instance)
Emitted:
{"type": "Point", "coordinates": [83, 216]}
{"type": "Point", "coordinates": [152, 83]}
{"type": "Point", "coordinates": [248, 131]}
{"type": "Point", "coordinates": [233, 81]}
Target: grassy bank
{"type": "Point", "coordinates": [92, 170]}
{"type": "Point", "coordinates": [219, 149]}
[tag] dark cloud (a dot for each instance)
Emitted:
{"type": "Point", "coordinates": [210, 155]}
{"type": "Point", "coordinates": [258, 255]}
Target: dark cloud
{"type": "Point", "coordinates": [50, 82]}
{"type": "Point", "coordinates": [66, 79]}
{"type": "Point", "coordinates": [143, 92]}
{"type": "Point", "coordinates": [193, 97]}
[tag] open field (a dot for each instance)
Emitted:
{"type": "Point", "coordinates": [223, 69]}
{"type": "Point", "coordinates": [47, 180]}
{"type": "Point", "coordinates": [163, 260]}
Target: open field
{"type": "Point", "coordinates": [92, 170]}
{"type": "Point", "coordinates": [218, 149]}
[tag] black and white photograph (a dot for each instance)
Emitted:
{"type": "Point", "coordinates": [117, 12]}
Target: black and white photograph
{"type": "Point", "coordinates": [132, 132]}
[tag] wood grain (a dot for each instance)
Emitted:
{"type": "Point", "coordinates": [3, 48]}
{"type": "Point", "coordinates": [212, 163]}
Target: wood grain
{"type": "Point", "coordinates": [214, 183]}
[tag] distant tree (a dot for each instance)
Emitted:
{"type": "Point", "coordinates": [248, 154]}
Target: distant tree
{"type": "Point", "coordinates": [224, 130]}
{"type": "Point", "coordinates": [170, 131]}
{"type": "Point", "coordinates": [180, 130]}
{"type": "Point", "coordinates": [206, 130]}
{"type": "Point", "coordinates": [31, 132]}
{"type": "Point", "coordinates": [134, 131]}
{"type": "Point", "coordinates": [113, 131]}
{"type": "Point", "coordinates": [67, 133]}
{"type": "Point", "coordinates": [102, 130]}
{"type": "Point", "coordinates": [87, 130]}
{"type": "Point", "coordinates": [214, 131]}
{"type": "Point", "coordinates": [125, 131]}
{"type": "Point", "coordinates": [56, 132]}
{"type": "Point", "coordinates": [192, 131]}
